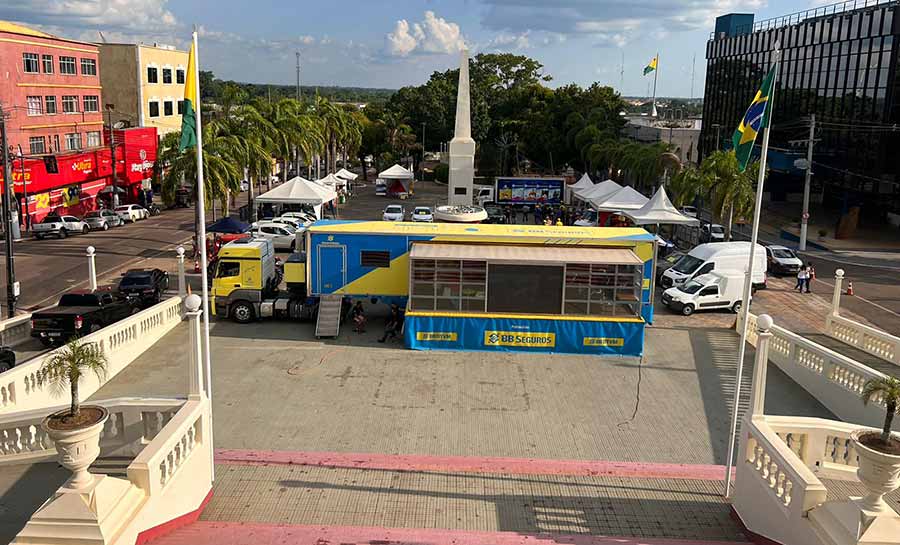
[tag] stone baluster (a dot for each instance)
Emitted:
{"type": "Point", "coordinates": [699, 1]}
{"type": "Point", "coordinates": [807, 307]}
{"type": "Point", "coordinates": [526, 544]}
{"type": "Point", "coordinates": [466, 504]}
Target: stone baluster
{"type": "Point", "coordinates": [92, 267]}
{"type": "Point", "coordinates": [758, 400]}
{"type": "Point", "coordinates": [836, 296]}
{"type": "Point", "coordinates": [182, 280]}
{"type": "Point", "coordinates": [195, 372]}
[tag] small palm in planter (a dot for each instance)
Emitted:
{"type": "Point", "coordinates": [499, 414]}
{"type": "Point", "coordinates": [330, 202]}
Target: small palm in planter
{"type": "Point", "coordinates": [76, 430]}
{"type": "Point", "coordinates": [879, 453]}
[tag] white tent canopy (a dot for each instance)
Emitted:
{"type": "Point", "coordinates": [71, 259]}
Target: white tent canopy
{"type": "Point", "coordinates": [332, 181]}
{"type": "Point", "coordinates": [626, 198]}
{"type": "Point", "coordinates": [659, 211]}
{"type": "Point", "coordinates": [584, 183]}
{"type": "Point", "coordinates": [597, 191]}
{"type": "Point", "coordinates": [346, 174]}
{"type": "Point", "coordinates": [396, 172]}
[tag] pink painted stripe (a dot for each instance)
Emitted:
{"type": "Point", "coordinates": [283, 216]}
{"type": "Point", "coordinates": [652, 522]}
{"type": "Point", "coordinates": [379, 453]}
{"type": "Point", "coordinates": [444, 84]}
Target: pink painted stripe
{"type": "Point", "coordinates": [470, 464]}
{"type": "Point", "coordinates": [233, 533]}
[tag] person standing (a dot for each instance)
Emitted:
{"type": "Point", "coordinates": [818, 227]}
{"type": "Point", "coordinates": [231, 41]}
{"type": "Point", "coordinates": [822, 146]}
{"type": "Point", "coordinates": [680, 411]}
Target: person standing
{"type": "Point", "coordinates": [810, 272]}
{"type": "Point", "coordinates": [801, 279]}
{"type": "Point", "coordinates": [525, 210]}
{"type": "Point", "coordinates": [394, 324]}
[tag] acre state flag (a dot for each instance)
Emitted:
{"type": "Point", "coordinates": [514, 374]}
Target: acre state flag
{"type": "Point", "coordinates": [189, 117]}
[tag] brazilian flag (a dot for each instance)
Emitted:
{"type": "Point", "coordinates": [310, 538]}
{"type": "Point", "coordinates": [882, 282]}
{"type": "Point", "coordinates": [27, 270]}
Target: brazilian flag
{"type": "Point", "coordinates": [652, 65]}
{"type": "Point", "coordinates": [755, 120]}
{"type": "Point", "coordinates": [189, 117]}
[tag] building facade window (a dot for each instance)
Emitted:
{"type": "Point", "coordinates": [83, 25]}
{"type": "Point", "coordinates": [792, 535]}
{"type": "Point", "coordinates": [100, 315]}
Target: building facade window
{"type": "Point", "coordinates": [167, 75]}
{"type": "Point", "coordinates": [152, 74]}
{"type": "Point", "coordinates": [93, 139]}
{"type": "Point", "coordinates": [36, 145]}
{"type": "Point", "coordinates": [67, 66]}
{"type": "Point", "coordinates": [47, 61]}
{"type": "Point", "coordinates": [180, 107]}
{"type": "Point", "coordinates": [50, 105]}
{"type": "Point", "coordinates": [56, 142]}
{"type": "Point", "coordinates": [70, 104]}
{"type": "Point", "coordinates": [73, 141]}
{"type": "Point", "coordinates": [91, 103]}
{"type": "Point", "coordinates": [35, 105]}
{"type": "Point", "coordinates": [154, 108]}
{"type": "Point", "coordinates": [167, 108]}
{"type": "Point", "coordinates": [31, 63]}
{"type": "Point", "coordinates": [88, 67]}
{"type": "Point", "coordinates": [179, 76]}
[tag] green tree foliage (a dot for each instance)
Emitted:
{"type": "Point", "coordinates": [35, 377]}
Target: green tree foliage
{"type": "Point", "coordinates": [68, 365]}
{"type": "Point", "coordinates": [212, 88]}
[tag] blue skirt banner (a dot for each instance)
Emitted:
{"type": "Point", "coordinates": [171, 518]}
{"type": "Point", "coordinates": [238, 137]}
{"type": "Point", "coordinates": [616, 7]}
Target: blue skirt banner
{"type": "Point", "coordinates": [435, 331]}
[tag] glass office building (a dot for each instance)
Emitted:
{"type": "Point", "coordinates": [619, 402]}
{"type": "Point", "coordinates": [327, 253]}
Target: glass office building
{"type": "Point", "coordinates": [837, 62]}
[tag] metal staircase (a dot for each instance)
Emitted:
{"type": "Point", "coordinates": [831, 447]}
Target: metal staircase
{"type": "Point", "coordinates": [328, 323]}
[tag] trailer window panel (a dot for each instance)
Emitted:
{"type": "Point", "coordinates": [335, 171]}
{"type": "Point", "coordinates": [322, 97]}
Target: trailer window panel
{"type": "Point", "coordinates": [375, 258]}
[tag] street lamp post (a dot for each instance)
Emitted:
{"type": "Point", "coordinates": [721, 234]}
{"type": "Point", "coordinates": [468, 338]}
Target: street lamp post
{"type": "Point", "coordinates": [11, 290]}
{"type": "Point", "coordinates": [24, 189]}
{"type": "Point", "coordinates": [112, 154]}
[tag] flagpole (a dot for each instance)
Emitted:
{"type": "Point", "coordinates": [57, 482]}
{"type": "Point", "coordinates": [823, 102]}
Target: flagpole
{"type": "Point", "coordinates": [201, 236]}
{"type": "Point", "coordinates": [748, 278]}
{"type": "Point", "coordinates": [655, 77]}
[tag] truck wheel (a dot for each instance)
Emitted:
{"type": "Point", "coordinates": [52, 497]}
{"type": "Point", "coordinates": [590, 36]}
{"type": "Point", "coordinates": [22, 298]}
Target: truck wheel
{"type": "Point", "coordinates": [39, 237]}
{"type": "Point", "coordinates": [47, 342]}
{"type": "Point", "coordinates": [5, 366]}
{"type": "Point", "coordinates": [687, 310]}
{"type": "Point", "coordinates": [63, 233]}
{"type": "Point", "coordinates": [736, 307]}
{"type": "Point", "coordinates": [85, 230]}
{"type": "Point", "coordinates": [242, 312]}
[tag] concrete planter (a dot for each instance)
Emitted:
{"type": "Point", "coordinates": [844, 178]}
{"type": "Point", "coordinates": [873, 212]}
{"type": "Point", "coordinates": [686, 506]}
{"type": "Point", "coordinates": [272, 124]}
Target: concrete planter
{"type": "Point", "coordinates": [879, 472]}
{"type": "Point", "coordinates": [77, 448]}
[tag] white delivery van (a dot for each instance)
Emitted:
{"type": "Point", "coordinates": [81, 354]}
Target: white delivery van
{"type": "Point", "coordinates": [719, 289]}
{"type": "Point", "coordinates": [716, 256]}
{"type": "Point", "coordinates": [482, 194]}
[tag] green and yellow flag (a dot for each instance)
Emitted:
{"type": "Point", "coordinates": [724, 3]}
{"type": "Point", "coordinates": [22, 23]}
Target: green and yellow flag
{"type": "Point", "coordinates": [754, 121]}
{"type": "Point", "coordinates": [188, 118]}
{"type": "Point", "coordinates": [652, 66]}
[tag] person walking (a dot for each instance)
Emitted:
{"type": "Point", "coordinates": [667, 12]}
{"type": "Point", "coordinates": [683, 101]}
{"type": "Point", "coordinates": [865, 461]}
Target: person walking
{"type": "Point", "coordinates": [525, 210]}
{"type": "Point", "coordinates": [801, 279]}
{"type": "Point", "coordinates": [358, 314]}
{"type": "Point", "coordinates": [810, 273]}
{"type": "Point", "coordinates": [394, 324]}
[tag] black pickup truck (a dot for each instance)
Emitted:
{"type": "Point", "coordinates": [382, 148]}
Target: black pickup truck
{"type": "Point", "coordinates": [78, 313]}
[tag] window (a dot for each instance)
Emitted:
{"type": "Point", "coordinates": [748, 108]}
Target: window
{"type": "Point", "coordinates": [50, 105]}
{"type": "Point", "coordinates": [167, 107]}
{"type": "Point", "coordinates": [47, 61]}
{"type": "Point", "coordinates": [710, 290]}
{"type": "Point", "coordinates": [460, 191]}
{"type": "Point", "coordinates": [602, 289]}
{"type": "Point", "coordinates": [88, 67]}
{"type": "Point", "coordinates": [73, 141]}
{"type": "Point", "coordinates": [56, 147]}
{"type": "Point", "coordinates": [67, 65]}
{"type": "Point", "coordinates": [179, 76]}
{"type": "Point", "coordinates": [167, 75]}
{"type": "Point", "coordinates": [91, 103]}
{"type": "Point", "coordinates": [152, 74]}
{"type": "Point", "coordinates": [154, 109]}
{"type": "Point", "coordinates": [36, 145]}
{"type": "Point", "coordinates": [70, 104]}
{"type": "Point", "coordinates": [375, 258]}
{"type": "Point", "coordinates": [706, 268]}
{"type": "Point", "coordinates": [93, 139]}
{"type": "Point", "coordinates": [180, 107]}
{"type": "Point", "coordinates": [446, 284]}
{"type": "Point", "coordinates": [31, 63]}
{"type": "Point", "coordinates": [35, 106]}
{"type": "Point", "coordinates": [228, 269]}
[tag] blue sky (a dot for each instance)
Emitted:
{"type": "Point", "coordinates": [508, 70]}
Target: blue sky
{"type": "Point", "coordinates": [370, 43]}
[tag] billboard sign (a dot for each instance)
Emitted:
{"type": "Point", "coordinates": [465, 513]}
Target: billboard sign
{"type": "Point", "coordinates": [530, 190]}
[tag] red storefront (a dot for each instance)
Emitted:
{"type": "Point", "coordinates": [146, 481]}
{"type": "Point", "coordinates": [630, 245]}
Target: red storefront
{"type": "Point", "coordinates": [73, 183]}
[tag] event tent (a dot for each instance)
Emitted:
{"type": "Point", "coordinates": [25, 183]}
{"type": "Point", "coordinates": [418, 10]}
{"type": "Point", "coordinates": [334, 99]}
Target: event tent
{"type": "Point", "coordinates": [299, 191]}
{"type": "Point", "coordinates": [397, 179]}
{"type": "Point", "coordinates": [228, 225]}
{"type": "Point", "coordinates": [583, 183]}
{"type": "Point", "coordinates": [659, 211]}
{"type": "Point", "coordinates": [346, 174]}
{"type": "Point", "coordinates": [626, 198]}
{"type": "Point", "coordinates": [596, 191]}
{"type": "Point", "coordinates": [332, 181]}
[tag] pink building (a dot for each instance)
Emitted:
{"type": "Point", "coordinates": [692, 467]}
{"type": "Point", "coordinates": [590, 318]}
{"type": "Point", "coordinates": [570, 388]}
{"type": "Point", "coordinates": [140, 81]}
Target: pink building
{"type": "Point", "coordinates": [49, 91]}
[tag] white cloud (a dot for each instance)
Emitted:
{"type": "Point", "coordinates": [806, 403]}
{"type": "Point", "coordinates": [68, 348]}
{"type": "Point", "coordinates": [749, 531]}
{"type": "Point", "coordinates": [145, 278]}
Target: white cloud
{"type": "Point", "coordinates": [143, 16]}
{"type": "Point", "coordinates": [433, 35]}
{"type": "Point", "coordinates": [505, 41]}
{"type": "Point", "coordinates": [307, 40]}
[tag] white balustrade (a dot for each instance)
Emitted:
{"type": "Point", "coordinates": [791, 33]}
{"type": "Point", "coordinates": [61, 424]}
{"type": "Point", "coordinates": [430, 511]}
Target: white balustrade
{"type": "Point", "coordinates": [833, 379]}
{"type": "Point", "coordinates": [868, 339]}
{"type": "Point", "coordinates": [821, 444]}
{"type": "Point", "coordinates": [22, 388]}
{"type": "Point", "coordinates": [15, 331]}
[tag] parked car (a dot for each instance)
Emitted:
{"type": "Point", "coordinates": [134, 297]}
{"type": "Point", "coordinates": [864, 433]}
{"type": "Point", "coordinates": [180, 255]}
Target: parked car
{"type": "Point", "coordinates": [422, 214]}
{"type": "Point", "coordinates": [712, 232]}
{"type": "Point", "coordinates": [78, 313]}
{"type": "Point", "coordinates": [495, 213]}
{"type": "Point", "coordinates": [717, 289]}
{"type": "Point", "coordinates": [716, 256]}
{"type": "Point", "coordinates": [690, 211]}
{"type": "Point", "coordinates": [296, 223]}
{"type": "Point", "coordinates": [245, 185]}
{"type": "Point", "coordinates": [60, 226]}
{"type": "Point", "coordinates": [665, 263]}
{"type": "Point", "coordinates": [103, 219]}
{"type": "Point", "coordinates": [7, 358]}
{"type": "Point", "coordinates": [308, 218]}
{"type": "Point", "coordinates": [394, 212]}
{"type": "Point", "coordinates": [132, 213]}
{"type": "Point", "coordinates": [283, 236]}
{"type": "Point", "coordinates": [143, 287]}
{"type": "Point", "coordinates": [782, 260]}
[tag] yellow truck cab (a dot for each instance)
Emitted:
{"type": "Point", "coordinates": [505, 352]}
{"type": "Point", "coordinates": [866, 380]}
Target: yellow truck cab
{"type": "Point", "coordinates": [245, 283]}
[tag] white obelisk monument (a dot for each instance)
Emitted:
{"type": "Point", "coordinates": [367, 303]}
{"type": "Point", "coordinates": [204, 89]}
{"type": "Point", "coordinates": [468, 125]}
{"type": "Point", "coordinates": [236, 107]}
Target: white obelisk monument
{"type": "Point", "coordinates": [462, 147]}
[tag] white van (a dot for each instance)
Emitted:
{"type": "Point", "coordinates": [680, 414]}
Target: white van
{"type": "Point", "coordinates": [482, 194]}
{"type": "Point", "coordinates": [717, 256]}
{"type": "Point", "coordinates": [719, 289]}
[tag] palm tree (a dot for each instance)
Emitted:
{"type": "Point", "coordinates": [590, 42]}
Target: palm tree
{"type": "Point", "coordinates": [889, 390]}
{"type": "Point", "coordinates": [66, 367]}
{"type": "Point", "coordinates": [731, 191]}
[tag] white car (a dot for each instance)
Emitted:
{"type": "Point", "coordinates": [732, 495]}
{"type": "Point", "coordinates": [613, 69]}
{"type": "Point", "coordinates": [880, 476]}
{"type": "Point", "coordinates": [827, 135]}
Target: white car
{"type": "Point", "coordinates": [132, 213]}
{"type": "Point", "coordinates": [689, 211]}
{"type": "Point", "coordinates": [283, 236]}
{"type": "Point", "coordinates": [422, 213]}
{"type": "Point", "coordinates": [60, 226]}
{"type": "Point", "coordinates": [394, 212]}
{"type": "Point", "coordinates": [306, 217]}
{"type": "Point", "coordinates": [712, 232]}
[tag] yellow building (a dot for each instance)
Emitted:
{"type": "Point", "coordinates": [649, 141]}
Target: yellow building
{"type": "Point", "coordinates": [145, 84]}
